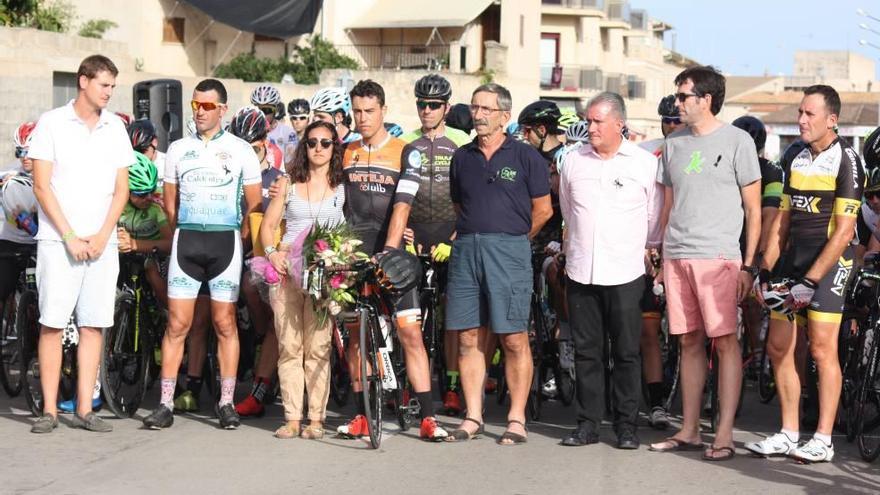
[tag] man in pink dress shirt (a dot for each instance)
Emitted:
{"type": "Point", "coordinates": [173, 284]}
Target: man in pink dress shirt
{"type": "Point", "coordinates": [611, 204]}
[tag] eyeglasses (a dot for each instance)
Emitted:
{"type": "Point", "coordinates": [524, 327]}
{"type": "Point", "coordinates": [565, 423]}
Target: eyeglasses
{"type": "Point", "coordinates": [682, 97]}
{"type": "Point", "coordinates": [208, 106]}
{"type": "Point", "coordinates": [21, 152]}
{"type": "Point", "coordinates": [299, 117]}
{"type": "Point", "coordinates": [478, 109]}
{"type": "Point", "coordinates": [141, 194]}
{"type": "Point", "coordinates": [313, 142]}
{"type": "Point", "coordinates": [433, 105]}
{"type": "Point", "coordinates": [268, 109]}
{"type": "Point", "coordinates": [671, 120]}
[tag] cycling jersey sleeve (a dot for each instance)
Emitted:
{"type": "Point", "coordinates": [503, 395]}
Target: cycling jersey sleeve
{"type": "Point", "coordinates": [771, 180]}
{"type": "Point", "coordinates": [850, 182]}
{"type": "Point", "coordinates": [410, 178]}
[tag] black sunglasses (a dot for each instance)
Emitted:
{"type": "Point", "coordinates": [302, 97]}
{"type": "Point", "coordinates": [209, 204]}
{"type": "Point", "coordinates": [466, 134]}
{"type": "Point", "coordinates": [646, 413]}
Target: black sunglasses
{"type": "Point", "coordinates": [268, 109]}
{"type": "Point", "coordinates": [671, 120]}
{"type": "Point", "coordinates": [682, 97]}
{"type": "Point", "coordinates": [433, 105]}
{"type": "Point", "coordinates": [21, 152]}
{"type": "Point", "coordinates": [299, 117]}
{"type": "Point", "coordinates": [313, 142]}
{"type": "Point", "coordinates": [141, 194]}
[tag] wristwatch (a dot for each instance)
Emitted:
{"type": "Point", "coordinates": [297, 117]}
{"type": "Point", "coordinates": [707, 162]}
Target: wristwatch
{"type": "Point", "coordinates": [751, 270]}
{"type": "Point", "coordinates": [269, 250]}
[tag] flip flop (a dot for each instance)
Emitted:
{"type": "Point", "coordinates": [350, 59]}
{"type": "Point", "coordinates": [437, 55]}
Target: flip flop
{"type": "Point", "coordinates": [708, 454]}
{"type": "Point", "coordinates": [461, 435]}
{"type": "Point", "coordinates": [677, 446]}
{"type": "Point", "coordinates": [514, 438]}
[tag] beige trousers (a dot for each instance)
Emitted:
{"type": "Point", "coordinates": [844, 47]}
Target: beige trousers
{"type": "Point", "coordinates": [304, 352]}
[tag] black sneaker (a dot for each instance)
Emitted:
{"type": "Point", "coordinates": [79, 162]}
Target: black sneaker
{"type": "Point", "coordinates": [229, 419]}
{"type": "Point", "coordinates": [161, 417]}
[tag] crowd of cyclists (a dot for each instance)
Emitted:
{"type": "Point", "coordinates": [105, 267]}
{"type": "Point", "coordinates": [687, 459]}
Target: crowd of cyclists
{"type": "Point", "coordinates": [252, 182]}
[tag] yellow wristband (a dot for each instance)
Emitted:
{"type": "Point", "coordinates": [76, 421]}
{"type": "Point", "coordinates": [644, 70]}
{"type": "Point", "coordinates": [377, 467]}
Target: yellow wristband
{"type": "Point", "coordinates": [68, 236]}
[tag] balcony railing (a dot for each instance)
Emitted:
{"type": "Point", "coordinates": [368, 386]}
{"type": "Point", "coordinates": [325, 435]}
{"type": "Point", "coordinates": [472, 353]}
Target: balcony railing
{"type": "Point", "coordinates": [577, 4]}
{"type": "Point", "coordinates": [586, 78]}
{"type": "Point", "coordinates": [433, 57]}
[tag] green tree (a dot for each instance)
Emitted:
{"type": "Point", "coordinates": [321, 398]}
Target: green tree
{"type": "Point", "coordinates": [55, 15]}
{"type": "Point", "coordinates": [95, 28]}
{"type": "Point", "coordinates": [308, 62]}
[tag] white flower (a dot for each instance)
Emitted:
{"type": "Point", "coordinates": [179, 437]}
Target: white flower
{"type": "Point", "coordinates": [334, 307]}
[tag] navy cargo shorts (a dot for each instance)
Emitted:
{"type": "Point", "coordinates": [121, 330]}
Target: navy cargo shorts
{"type": "Point", "coordinates": [490, 283]}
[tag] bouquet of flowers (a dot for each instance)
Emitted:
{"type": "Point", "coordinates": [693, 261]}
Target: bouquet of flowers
{"type": "Point", "coordinates": [334, 245]}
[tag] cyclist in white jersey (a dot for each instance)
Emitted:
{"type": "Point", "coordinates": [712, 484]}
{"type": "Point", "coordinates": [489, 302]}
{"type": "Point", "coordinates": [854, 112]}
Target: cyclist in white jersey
{"type": "Point", "coordinates": [205, 176]}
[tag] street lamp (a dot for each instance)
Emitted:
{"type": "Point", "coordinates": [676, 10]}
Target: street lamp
{"type": "Point", "coordinates": [868, 43]}
{"type": "Point", "coordinates": [869, 28]}
{"type": "Point", "coordinates": [862, 13]}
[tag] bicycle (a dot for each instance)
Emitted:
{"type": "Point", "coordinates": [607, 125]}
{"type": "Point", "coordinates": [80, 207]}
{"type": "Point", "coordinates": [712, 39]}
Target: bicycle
{"type": "Point", "coordinates": [129, 345]}
{"type": "Point", "coordinates": [340, 381]}
{"type": "Point", "coordinates": [10, 353]}
{"type": "Point", "coordinates": [864, 416]}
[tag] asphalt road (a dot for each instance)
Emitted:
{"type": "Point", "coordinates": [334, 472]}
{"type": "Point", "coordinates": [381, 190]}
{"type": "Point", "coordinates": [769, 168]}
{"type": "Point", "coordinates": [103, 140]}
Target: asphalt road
{"type": "Point", "coordinates": [195, 457]}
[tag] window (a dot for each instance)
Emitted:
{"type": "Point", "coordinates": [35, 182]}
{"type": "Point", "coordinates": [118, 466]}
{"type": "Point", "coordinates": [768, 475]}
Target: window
{"type": "Point", "coordinates": [262, 37]}
{"type": "Point", "coordinates": [64, 88]}
{"type": "Point", "coordinates": [172, 31]}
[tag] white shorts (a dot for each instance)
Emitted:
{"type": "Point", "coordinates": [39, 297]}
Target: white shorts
{"type": "Point", "coordinates": [66, 286]}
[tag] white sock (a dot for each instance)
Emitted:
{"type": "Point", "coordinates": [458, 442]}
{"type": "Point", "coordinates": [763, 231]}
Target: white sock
{"type": "Point", "coordinates": [793, 436]}
{"type": "Point", "coordinates": [826, 439]}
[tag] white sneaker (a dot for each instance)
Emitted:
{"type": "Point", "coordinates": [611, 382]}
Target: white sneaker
{"type": "Point", "coordinates": [814, 451]}
{"type": "Point", "coordinates": [778, 444]}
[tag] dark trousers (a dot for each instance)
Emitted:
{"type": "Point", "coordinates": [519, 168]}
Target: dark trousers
{"type": "Point", "coordinates": [597, 313]}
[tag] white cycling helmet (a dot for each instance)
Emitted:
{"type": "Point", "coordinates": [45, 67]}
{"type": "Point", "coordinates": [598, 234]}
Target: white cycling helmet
{"type": "Point", "coordinates": [18, 196]}
{"type": "Point", "coordinates": [265, 94]}
{"type": "Point", "coordinates": [23, 133]}
{"type": "Point", "coordinates": [776, 294]}
{"type": "Point", "coordinates": [330, 100]}
{"type": "Point", "coordinates": [578, 132]}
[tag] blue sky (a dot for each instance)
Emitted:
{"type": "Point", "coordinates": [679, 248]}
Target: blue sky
{"type": "Point", "coordinates": [751, 37]}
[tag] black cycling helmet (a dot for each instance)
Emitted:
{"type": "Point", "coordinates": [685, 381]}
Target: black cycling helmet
{"type": "Point", "coordinates": [298, 106]}
{"type": "Point", "coordinates": [398, 271]}
{"type": "Point", "coordinates": [543, 112]}
{"type": "Point", "coordinates": [873, 180]}
{"type": "Point", "coordinates": [755, 128]}
{"type": "Point", "coordinates": [667, 108]}
{"type": "Point", "coordinates": [871, 150]}
{"type": "Point", "coordinates": [459, 117]}
{"type": "Point", "coordinates": [249, 123]}
{"type": "Point", "coordinates": [433, 87]}
{"type": "Point", "coordinates": [279, 110]}
{"type": "Point", "coordinates": [142, 133]}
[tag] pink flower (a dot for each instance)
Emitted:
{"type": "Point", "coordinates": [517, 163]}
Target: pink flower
{"type": "Point", "coordinates": [337, 280]}
{"type": "Point", "coordinates": [321, 245]}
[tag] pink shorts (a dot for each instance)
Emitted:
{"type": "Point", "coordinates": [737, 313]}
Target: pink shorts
{"type": "Point", "coordinates": [701, 295]}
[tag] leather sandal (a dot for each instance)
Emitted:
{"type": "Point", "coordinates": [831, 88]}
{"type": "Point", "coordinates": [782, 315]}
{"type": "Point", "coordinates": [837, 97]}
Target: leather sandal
{"type": "Point", "coordinates": [461, 435]}
{"type": "Point", "coordinates": [286, 431]}
{"type": "Point", "coordinates": [511, 438]}
{"type": "Point", "coordinates": [312, 432]}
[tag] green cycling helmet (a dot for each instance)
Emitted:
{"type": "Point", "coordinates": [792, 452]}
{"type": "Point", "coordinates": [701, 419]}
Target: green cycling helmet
{"type": "Point", "coordinates": [142, 176]}
{"type": "Point", "coordinates": [566, 119]}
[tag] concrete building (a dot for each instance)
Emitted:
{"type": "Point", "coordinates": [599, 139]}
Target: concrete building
{"type": "Point", "coordinates": [845, 70]}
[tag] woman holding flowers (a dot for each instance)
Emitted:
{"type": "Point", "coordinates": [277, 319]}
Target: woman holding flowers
{"type": "Point", "coordinates": [311, 194]}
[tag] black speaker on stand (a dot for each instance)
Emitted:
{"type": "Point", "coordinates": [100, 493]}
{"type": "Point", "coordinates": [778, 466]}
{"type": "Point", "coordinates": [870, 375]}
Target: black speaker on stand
{"type": "Point", "coordinates": [160, 101]}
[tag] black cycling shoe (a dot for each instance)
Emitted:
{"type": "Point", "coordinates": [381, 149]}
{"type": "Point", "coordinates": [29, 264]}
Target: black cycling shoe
{"type": "Point", "coordinates": [627, 439]}
{"type": "Point", "coordinates": [584, 434]}
{"type": "Point", "coordinates": [161, 417]}
{"type": "Point", "coordinates": [229, 419]}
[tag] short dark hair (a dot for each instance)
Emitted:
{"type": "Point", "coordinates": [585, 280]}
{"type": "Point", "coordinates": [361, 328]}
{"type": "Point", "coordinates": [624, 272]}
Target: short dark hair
{"type": "Point", "coordinates": [91, 65]}
{"type": "Point", "coordinates": [213, 85]}
{"type": "Point", "coordinates": [707, 81]}
{"type": "Point", "coordinates": [832, 99]}
{"type": "Point", "coordinates": [298, 167]}
{"type": "Point", "coordinates": [368, 88]}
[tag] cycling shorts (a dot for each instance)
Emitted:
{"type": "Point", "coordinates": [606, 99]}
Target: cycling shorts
{"type": "Point", "coordinates": [827, 303]}
{"type": "Point", "coordinates": [431, 234]}
{"type": "Point", "coordinates": [213, 258]}
{"type": "Point", "coordinates": [650, 302]}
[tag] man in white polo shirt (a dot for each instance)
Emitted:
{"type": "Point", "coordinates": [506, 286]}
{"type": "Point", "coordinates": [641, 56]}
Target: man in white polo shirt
{"type": "Point", "coordinates": [81, 156]}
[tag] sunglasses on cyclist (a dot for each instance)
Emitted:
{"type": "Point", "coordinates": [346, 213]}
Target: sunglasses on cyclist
{"type": "Point", "coordinates": [21, 152]}
{"type": "Point", "coordinates": [208, 106]}
{"type": "Point", "coordinates": [313, 142]}
{"type": "Point", "coordinates": [433, 105]}
{"type": "Point", "coordinates": [268, 109]}
{"type": "Point", "coordinates": [299, 117]}
{"type": "Point", "coordinates": [141, 194]}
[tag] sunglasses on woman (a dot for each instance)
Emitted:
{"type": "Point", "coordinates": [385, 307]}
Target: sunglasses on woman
{"type": "Point", "coordinates": [313, 142]}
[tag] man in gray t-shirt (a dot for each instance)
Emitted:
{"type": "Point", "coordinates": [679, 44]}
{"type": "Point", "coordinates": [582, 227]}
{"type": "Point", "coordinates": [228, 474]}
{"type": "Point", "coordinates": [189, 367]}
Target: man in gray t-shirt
{"type": "Point", "coordinates": [711, 178]}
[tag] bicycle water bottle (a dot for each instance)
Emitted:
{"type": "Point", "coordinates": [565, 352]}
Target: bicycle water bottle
{"type": "Point", "coordinates": [27, 222]}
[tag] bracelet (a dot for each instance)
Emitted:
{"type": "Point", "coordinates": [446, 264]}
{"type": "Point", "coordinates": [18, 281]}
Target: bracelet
{"type": "Point", "coordinates": [269, 250]}
{"type": "Point", "coordinates": [68, 236]}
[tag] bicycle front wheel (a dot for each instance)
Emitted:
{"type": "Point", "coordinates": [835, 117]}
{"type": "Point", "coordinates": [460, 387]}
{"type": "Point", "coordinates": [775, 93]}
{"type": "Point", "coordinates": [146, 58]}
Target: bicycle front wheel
{"type": "Point", "coordinates": [10, 356]}
{"type": "Point", "coordinates": [125, 360]}
{"type": "Point", "coordinates": [28, 328]}
{"type": "Point", "coordinates": [371, 378]}
{"type": "Point", "coordinates": [868, 408]}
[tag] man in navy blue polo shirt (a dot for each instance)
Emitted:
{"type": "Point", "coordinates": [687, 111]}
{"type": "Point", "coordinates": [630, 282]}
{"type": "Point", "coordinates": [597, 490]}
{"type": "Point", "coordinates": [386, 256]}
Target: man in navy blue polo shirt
{"type": "Point", "coordinates": [501, 192]}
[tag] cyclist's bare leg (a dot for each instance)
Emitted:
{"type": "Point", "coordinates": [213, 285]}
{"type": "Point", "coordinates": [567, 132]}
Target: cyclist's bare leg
{"type": "Point", "coordinates": [49, 355]}
{"type": "Point", "coordinates": [781, 342]}
{"type": "Point", "coordinates": [352, 356]}
{"type": "Point", "coordinates": [197, 340]}
{"type": "Point", "coordinates": [417, 371]}
{"type": "Point", "coordinates": [157, 283]}
{"type": "Point", "coordinates": [518, 368]}
{"type": "Point", "coordinates": [88, 358]}
{"type": "Point", "coordinates": [652, 361]}
{"type": "Point", "coordinates": [180, 318]}
{"type": "Point", "coordinates": [472, 366]}
{"type": "Point", "coordinates": [823, 347]}
{"type": "Point", "coordinates": [224, 319]}
{"type": "Point", "coordinates": [729, 385]}
{"type": "Point", "coordinates": [693, 381]}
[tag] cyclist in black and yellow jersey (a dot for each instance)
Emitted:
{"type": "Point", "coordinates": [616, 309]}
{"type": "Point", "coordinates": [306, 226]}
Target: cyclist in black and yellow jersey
{"type": "Point", "coordinates": [820, 201]}
{"type": "Point", "coordinates": [432, 218]}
